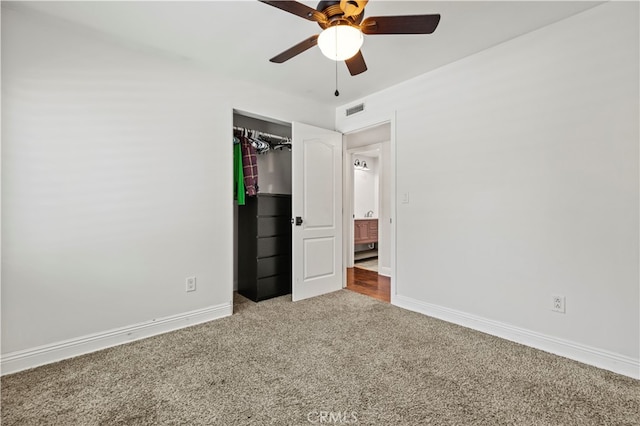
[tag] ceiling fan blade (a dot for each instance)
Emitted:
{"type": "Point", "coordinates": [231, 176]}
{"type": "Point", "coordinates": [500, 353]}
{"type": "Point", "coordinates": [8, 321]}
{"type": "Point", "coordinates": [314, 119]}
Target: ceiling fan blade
{"type": "Point", "coordinates": [298, 9]}
{"type": "Point", "coordinates": [295, 50]}
{"type": "Point", "coordinates": [356, 64]}
{"type": "Point", "coordinates": [409, 24]}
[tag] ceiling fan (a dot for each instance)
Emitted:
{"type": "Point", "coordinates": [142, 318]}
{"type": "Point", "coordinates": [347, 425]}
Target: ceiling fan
{"type": "Point", "coordinates": [342, 26]}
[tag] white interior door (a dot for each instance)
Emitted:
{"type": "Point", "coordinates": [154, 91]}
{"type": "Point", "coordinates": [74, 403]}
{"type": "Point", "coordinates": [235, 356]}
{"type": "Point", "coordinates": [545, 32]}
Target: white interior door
{"type": "Point", "coordinates": [317, 210]}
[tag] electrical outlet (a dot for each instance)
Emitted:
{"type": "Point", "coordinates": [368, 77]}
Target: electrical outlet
{"type": "Point", "coordinates": [191, 283]}
{"type": "Point", "coordinates": [557, 303]}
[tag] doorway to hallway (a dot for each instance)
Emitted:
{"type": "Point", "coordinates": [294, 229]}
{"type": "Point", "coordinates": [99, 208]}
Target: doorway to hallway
{"type": "Point", "coordinates": [368, 211]}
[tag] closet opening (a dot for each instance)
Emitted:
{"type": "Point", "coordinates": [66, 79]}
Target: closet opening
{"type": "Point", "coordinates": [261, 206]}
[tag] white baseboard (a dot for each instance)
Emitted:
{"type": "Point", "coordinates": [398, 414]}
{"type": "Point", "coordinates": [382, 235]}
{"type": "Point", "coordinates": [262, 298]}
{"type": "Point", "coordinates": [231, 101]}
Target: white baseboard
{"type": "Point", "coordinates": [384, 270]}
{"type": "Point", "coordinates": [617, 363]}
{"type": "Point", "coordinates": [21, 360]}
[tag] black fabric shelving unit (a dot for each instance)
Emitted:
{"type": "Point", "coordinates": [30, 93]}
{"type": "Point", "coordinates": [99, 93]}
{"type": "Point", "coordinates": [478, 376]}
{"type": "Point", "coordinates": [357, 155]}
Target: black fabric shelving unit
{"type": "Point", "coordinates": [264, 246]}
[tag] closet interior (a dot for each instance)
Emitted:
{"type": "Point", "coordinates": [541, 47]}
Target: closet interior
{"type": "Point", "coordinates": [262, 218]}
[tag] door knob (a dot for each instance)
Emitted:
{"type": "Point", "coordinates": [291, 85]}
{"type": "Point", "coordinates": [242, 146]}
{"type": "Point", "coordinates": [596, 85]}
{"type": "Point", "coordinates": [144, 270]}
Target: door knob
{"type": "Point", "coordinates": [298, 221]}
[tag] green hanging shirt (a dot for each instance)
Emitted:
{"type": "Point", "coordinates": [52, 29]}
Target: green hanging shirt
{"type": "Point", "coordinates": [238, 174]}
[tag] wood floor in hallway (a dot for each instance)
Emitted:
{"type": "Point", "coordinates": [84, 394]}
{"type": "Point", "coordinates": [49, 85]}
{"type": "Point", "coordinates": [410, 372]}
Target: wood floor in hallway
{"type": "Point", "coordinates": [369, 283]}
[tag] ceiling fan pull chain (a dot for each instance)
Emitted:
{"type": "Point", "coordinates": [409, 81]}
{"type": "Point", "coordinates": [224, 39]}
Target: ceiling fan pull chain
{"type": "Point", "coordinates": [336, 92]}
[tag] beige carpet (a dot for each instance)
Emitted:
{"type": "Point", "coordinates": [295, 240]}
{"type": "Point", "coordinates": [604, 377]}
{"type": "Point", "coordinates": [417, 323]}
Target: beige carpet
{"type": "Point", "coordinates": [343, 356]}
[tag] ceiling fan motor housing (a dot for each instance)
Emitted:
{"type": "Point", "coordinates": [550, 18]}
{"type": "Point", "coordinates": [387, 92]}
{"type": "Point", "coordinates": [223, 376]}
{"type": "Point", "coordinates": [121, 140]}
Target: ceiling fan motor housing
{"type": "Point", "coordinates": [335, 15]}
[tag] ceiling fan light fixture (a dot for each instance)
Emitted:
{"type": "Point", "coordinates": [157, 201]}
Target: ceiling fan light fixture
{"type": "Point", "coordinates": [340, 42]}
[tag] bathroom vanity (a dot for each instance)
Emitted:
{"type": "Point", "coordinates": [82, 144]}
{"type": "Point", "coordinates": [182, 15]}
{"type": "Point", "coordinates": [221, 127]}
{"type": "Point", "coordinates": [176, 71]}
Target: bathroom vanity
{"type": "Point", "coordinates": [365, 231]}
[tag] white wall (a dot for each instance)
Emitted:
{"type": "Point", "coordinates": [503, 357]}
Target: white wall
{"type": "Point", "coordinates": [365, 187]}
{"type": "Point", "coordinates": [384, 222]}
{"type": "Point", "coordinates": [116, 184]}
{"type": "Point", "coordinates": [522, 165]}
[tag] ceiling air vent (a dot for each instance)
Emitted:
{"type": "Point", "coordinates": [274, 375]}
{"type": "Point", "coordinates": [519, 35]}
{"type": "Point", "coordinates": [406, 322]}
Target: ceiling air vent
{"type": "Point", "coordinates": [355, 109]}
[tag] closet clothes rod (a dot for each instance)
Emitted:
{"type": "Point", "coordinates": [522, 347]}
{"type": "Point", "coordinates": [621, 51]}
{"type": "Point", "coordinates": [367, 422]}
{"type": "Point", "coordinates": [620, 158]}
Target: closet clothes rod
{"type": "Point", "coordinates": [268, 135]}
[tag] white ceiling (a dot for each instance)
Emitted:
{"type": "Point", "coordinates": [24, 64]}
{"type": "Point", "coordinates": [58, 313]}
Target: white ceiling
{"type": "Point", "coordinates": [237, 38]}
